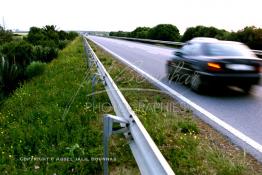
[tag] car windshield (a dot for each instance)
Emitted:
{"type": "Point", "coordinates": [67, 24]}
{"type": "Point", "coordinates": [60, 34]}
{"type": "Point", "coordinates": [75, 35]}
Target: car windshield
{"type": "Point", "coordinates": [227, 49]}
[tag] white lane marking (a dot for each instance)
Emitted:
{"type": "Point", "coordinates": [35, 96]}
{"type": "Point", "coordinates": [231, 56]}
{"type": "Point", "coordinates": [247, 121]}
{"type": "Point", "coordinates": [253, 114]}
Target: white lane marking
{"type": "Point", "coordinates": [212, 117]}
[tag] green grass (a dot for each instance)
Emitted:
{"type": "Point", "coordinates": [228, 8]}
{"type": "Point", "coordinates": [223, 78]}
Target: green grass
{"type": "Point", "coordinates": [53, 116]}
{"type": "Point", "coordinates": [48, 117]}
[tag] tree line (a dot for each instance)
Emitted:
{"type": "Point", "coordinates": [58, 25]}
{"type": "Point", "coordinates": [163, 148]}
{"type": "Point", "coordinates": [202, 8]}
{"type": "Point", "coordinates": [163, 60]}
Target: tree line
{"type": "Point", "coordinates": [250, 35]}
{"type": "Point", "coordinates": [22, 57]}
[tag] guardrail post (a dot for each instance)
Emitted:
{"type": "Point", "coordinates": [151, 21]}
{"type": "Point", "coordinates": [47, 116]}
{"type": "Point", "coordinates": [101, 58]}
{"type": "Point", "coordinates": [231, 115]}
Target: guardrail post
{"type": "Point", "coordinates": [107, 133]}
{"type": "Point", "coordinates": [108, 130]}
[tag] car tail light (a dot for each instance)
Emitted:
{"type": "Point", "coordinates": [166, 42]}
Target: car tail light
{"type": "Point", "coordinates": [214, 66]}
{"type": "Point", "coordinates": [259, 69]}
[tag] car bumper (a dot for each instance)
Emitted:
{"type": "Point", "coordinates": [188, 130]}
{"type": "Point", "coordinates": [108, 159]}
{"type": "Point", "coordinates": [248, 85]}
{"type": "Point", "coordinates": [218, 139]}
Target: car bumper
{"type": "Point", "coordinates": [230, 79]}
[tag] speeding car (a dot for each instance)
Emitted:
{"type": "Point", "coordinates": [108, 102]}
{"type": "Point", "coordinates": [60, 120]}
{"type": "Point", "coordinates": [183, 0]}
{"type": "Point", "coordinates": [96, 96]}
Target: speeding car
{"type": "Point", "coordinates": [208, 62]}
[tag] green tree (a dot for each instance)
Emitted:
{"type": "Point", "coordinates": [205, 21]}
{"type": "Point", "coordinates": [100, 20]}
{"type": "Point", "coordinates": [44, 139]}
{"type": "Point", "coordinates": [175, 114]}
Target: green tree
{"type": "Point", "coordinates": [51, 33]}
{"type": "Point", "coordinates": [48, 36]}
{"type": "Point", "coordinates": [9, 74]}
{"type": "Point", "coordinates": [119, 34]}
{"type": "Point", "coordinates": [35, 35]}
{"type": "Point", "coordinates": [71, 35]}
{"type": "Point", "coordinates": [203, 31]}
{"type": "Point", "coordinates": [18, 52]}
{"type": "Point", "coordinates": [166, 32]}
{"type": "Point", "coordinates": [140, 32]}
{"type": "Point", "coordinates": [5, 35]}
{"type": "Point", "coordinates": [251, 36]}
{"type": "Point", "coordinates": [62, 35]}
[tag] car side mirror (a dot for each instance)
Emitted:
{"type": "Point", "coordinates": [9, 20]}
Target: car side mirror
{"type": "Point", "coordinates": [179, 53]}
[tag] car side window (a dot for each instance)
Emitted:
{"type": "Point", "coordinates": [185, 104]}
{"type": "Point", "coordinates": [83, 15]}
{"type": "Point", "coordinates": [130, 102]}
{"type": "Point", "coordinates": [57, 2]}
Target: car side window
{"type": "Point", "coordinates": [186, 49]}
{"type": "Point", "coordinates": [195, 49]}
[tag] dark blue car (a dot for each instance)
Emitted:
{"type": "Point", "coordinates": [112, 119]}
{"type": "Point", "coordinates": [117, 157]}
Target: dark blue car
{"type": "Point", "coordinates": [206, 62]}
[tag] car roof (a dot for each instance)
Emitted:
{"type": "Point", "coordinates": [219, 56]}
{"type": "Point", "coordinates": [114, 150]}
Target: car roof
{"type": "Point", "coordinates": [211, 40]}
{"type": "Point", "coordinates": [204, 39]}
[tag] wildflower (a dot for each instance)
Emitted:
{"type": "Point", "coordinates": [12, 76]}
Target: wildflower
{"type": "Point", "coordinates": [37, 167]}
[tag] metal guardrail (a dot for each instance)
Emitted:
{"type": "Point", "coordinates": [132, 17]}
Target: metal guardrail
{"type": "Point", "coordinates": [148, 157]}
{"type": "Point", "coordinates": [151, 41]}
{"type": "Point", "coordinates": [257, 52]}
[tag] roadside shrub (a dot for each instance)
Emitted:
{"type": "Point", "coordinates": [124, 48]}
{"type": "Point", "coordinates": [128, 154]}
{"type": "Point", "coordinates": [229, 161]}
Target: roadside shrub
{"type": "Point", "coordinates": [62, 35]}
{"type": "Point", "coordinates": [44, 54]}
{"type": "Point", "coordinates": [9, 75]}
{"type": "Point", "coordinates": [51, 53]}
{"type": "Point", "coordinates": [35, 35]}
{"type": "Point", "coordinates": [62, 44]}
{"type": "Point", "coordinates": [40, 45]}
{"type": "Point", "coordinates": [140, 32]}
{"type": "Point", "coordinates": [48, 36]}
{"type": "Point", "coordinates": [39, 53]}
{"type": "Point", "coordinates": [120, 34]}
{"type": "Point", "coordinates": [34, 69]}
{"type": "Point", "coordinates": [5, 35]}
{"type": "Point", "coordinates": [166, 32]}
{"type": "Point", "coordinates": [48, 43]}
{"type": "Point", "coordinates": [72, 35]}
{"type": "Point", "coordinates": [203, 31]}
{"type": "Point", "coordinates": [18, 52]}
{"type": "Point", "coordinates": [251, 36]}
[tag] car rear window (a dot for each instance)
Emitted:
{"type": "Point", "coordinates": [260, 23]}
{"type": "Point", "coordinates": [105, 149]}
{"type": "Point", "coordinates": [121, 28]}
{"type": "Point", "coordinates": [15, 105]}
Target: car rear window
{"type": "Point", "coordinates": [227, 49]}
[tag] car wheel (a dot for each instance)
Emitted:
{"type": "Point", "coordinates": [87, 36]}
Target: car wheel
{"type": "Point", "coordinates": [169, 72]}
{"type": "Point", "coordinates": [169, 76]}
{"type": "Point", "coordinates": [196, 83]}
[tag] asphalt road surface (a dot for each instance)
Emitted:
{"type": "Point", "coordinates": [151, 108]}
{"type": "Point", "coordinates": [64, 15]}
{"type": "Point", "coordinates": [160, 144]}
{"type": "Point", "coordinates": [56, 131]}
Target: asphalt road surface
{"type": "Point", "coordinates": [241, 111]}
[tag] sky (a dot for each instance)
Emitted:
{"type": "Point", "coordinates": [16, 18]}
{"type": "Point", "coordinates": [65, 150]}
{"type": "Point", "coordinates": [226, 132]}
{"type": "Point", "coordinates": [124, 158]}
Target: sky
{"type": "Point", "coordinates": [126, 15]}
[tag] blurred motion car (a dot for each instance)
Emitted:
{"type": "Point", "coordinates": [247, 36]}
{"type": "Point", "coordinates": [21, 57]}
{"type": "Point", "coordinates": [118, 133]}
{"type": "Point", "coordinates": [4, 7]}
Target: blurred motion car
{"type": "Point", "coordinates": [208, 62]}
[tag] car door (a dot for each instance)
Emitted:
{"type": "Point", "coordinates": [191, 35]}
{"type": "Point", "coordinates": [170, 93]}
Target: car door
{"type": "Point", "coordinates": [185, 60]}
{"type": "Point", "coordinates": [193, 58]}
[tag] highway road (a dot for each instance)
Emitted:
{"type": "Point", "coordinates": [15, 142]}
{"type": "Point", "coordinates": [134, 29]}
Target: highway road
{"type": "Point", "coordinates": [243, 112]}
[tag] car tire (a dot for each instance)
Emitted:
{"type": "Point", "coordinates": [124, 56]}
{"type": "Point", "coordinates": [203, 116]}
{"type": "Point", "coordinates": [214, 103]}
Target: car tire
{"type": "Point", "coordinates": [169, 76]}
{"type": "Point", "coordinates": [196, 83]}
{"type": "Point", "coordinates": [169, 72]}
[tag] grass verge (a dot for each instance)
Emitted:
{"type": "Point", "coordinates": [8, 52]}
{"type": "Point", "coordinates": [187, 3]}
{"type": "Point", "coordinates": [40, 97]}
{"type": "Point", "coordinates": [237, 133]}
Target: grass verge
{"type": "Point", "coordinates": [46, 126]}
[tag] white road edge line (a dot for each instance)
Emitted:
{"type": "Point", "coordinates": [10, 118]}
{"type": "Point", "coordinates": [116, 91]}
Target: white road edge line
{"type": "Point", "coordinates": [212, 117]}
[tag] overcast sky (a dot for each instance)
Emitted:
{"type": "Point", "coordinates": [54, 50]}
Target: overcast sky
{"type": "Point", "coordinates": [110, 15]}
